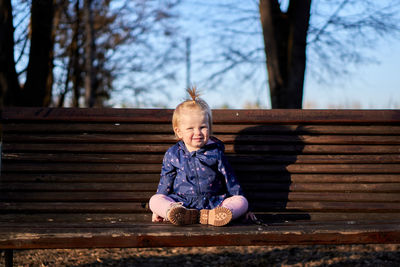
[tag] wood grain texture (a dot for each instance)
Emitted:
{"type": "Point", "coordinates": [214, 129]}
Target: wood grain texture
{"type": "Point", "coordinates": [82, 178]}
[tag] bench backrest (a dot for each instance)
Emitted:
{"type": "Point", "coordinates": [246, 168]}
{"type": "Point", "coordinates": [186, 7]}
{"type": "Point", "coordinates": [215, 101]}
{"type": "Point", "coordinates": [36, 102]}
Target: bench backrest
{"type": "Point", "coordinates": [102, 165]}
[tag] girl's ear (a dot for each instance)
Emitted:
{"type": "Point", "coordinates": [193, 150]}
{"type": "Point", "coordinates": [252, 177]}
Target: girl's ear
{"type": "Point", "coordinates": [178, 132]}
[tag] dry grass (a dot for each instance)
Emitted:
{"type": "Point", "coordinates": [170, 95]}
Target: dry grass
{"type": "Point", "coordinates": [343, 255]}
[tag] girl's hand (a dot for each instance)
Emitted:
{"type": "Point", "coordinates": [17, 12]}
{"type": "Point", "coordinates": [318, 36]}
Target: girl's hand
{"type": "Point", "coordinates": [251, 217]}
{"type": "Point", "coordinates": [156, 218]}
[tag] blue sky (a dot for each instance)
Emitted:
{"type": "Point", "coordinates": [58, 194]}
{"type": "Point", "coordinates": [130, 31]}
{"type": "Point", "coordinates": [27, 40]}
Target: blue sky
{"type": "Point", "coordinates": [371, 86]}
{"type": "Point", "coordinates": [374, 85]}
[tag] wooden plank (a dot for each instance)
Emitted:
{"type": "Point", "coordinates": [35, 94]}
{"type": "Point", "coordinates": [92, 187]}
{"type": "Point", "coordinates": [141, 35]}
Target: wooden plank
{"type": "Point", "coordinates": [219, 116]}
{"type": "Point", "coordinates": [324, 216]}
{"type": "Point", "coordinates": [159, 235]}
{"type": "Point", "coordinates": [227, 139]}
{"type": "Point", "coordinates": [314, 149]}
{"type": "Point", "coordinates": [306, 116]}
{"type": "Point", "coordinates": [233, 159]}
{"type": "Point", "coordinates": [117, 225]}
{"type": "Point", "coordinates": [85, 157]}
{"type": "Point", "coordinates": [248, 186]}
{"type": "Point", "coordinates": [90, 219]}
{"type": "Point", "coordinates": [243, 129]}
{"type": "Point", "coordinates": [304, 159]}
{"type": "Point", "coordinates": [73, 207]}
{"type": "Point", "coordinates": [87, 114]}
{"type": "Point", "coordinates": [256, 177]}
{"type": "Point", "coordinates": [93, 219]}
{"type": "Point", "coordinates": [321, 168]}
{"type": "Point", "coordinates": [71, 127]}
{"type": "Point", "coordinates": [162, 148]}
{"type": "Point", "coordinates": [156, 168]}
{"type": "Point", "coordinates": [82, 167]}
{"type": "Point", "coordinates": [135, 207]}
{"type": "Point", "coordinates": [322, 187]}
{"type": "Point", "coordinates": [80, 187]}
{"type": "Point", "coordinates": [326, 206]}
{"type": "Point", "coordinates": [90, 138]}
{"type": "Point", "coordinates": [260, 177]}
{"type": "Point", "coordinates": [95, 148]}
{"type": "Point", "coordinates": [81, 177]}
{"type": "Point", "coordinates": [75, 196]}
{"type": "Point", "coordinates": [311, 139]}
{"type": "Point", "coordinates": [325, 196]}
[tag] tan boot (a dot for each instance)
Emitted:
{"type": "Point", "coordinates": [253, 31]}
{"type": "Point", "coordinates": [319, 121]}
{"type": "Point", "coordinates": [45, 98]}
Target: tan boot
{"type": "Point", "coordinates": [179, 215]}
{"type": "Point", "coordinates": [219, 216]}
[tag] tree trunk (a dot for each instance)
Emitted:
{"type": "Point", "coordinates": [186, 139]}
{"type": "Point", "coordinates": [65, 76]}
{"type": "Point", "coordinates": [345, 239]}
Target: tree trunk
{"type": "Point", "coordinates": [285, 37]}
{"type": "Point", "coordinates": [9, 84]}
{"type": "Point", "coordinates": [77, 70]}
{"type": "Point", "coordinates": [35, 91]}
{"type": "Point", "coordinates": [90, 78]}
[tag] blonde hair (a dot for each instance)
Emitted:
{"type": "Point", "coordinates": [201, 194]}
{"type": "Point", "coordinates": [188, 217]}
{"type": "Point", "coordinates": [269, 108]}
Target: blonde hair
{"type": "Point", "coordinates": [191, 104]}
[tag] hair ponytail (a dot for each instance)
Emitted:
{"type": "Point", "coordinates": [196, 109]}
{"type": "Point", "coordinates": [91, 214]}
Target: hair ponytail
{"type": "Point", "coordinates": [193, 93]}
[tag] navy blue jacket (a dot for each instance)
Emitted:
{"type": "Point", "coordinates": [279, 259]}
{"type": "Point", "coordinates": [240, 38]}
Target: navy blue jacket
{"type": "Point", "coordinates": [200, 179]}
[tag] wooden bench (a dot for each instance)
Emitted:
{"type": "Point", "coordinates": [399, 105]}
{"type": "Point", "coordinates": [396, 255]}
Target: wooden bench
{"type": "Point", "coordinates": [81, 178]}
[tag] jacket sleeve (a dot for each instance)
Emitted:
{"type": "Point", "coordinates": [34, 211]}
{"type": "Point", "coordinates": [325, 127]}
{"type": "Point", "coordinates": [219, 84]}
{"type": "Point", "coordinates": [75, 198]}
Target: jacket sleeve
{"type": "Point", "coordinates": [168, 174]}
{"type": "Point", "coordinates": [231, 181]}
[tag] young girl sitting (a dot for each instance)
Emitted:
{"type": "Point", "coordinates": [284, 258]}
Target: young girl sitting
{"type": "Point", "coordinates": [197, 183]}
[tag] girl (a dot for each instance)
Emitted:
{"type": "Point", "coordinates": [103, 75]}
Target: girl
{"type": "Point", "coordinates": [197, 183]}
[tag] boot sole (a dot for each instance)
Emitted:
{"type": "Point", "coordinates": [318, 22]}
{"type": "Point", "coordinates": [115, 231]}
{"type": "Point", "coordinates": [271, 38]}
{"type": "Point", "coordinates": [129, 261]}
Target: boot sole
{"type": "Point", "coordinates": [219, 216]}
{"type": "Point", "coordinates": [183, 216]}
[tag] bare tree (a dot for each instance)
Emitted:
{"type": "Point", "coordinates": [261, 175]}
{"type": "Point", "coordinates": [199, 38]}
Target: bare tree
{"type": "Point", "coordinates": [90, 55]}
{"type": "Point", "coordinates": [35, 91]}
{"type": "Point", "coordinates": [110, 49]}
{"type": "Point", "coordinates": [9, 85]}
{"type": "Point", "coordinates": [329, 37]}
{"type": "Point", "coordinates": [285, 41]}
{"type": "Point", "coordinates": [130, 45]}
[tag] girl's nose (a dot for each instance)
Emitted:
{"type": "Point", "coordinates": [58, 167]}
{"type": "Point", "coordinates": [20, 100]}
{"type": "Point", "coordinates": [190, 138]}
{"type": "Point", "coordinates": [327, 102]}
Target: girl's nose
{"type": "Point", "coordinates": [197, 131]}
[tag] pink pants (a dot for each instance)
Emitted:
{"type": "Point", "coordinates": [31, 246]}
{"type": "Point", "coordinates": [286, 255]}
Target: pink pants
{"type": "Point", "coordinates": [160, 204]}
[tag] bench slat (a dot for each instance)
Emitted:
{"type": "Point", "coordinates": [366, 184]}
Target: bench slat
{"type": "Point", "coordinates": [76, 196]}
{"type": "Point", "coordinates": [144, 196]}
{"type": "Point", "coordinates": [161, 148]}
{"type": "Point", "coordinates": [81, 177]}
{"type": "Point", "coordinates": [153, 168]}
{"type": "Point", "coordinates": [74, 207]}
{"type": "Point", "coordinates": [268, 217]}
{"type": "Point", "coordinates": [228, 139]}
{"type": "Point", "coordinates": [233, 159]}
{"type": "Point", "coordinates": [326, 196]}
{"type": "Point", "coordinates": [117, 218]}
{"type": "Point", "coordinates": [155, 177]}
{"type": "Point", "coordinates": [248, 186]}
{"type": "Point", "coordinates": [132, 207]}
{"type": "Point", "coordinates": [327, 206]}
{"type": "Point", "coordinates": [319, 178]}
{"type": "Point", "coordinates": [56, 127]}
{"type": "Point", "coordinates": [79, 187]}
{"type": "Point", "coordinates": [250, 116]}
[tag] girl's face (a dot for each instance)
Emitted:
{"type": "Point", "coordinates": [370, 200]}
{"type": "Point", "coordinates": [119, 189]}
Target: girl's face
{"type": "Point", "coordinates": [193, 129]}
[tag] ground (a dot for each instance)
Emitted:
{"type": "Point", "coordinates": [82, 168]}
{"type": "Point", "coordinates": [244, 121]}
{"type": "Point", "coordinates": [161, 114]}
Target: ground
{"type": "Point", "coordinates": [343, 255]}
